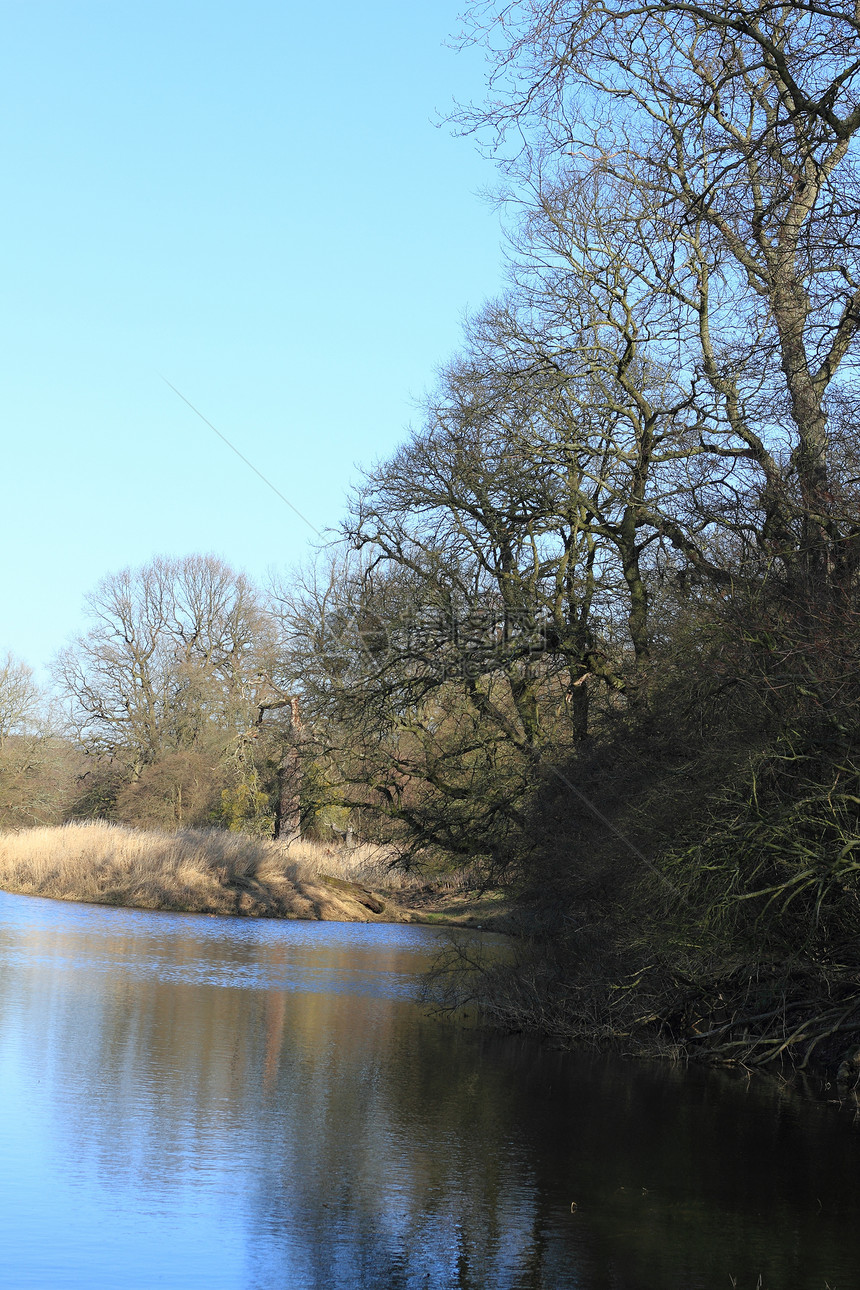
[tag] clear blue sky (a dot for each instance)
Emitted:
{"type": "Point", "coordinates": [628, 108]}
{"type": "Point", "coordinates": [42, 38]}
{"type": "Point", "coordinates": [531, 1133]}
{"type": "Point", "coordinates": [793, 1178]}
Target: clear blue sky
{"type": "Point", "coordinates": [254, 202]}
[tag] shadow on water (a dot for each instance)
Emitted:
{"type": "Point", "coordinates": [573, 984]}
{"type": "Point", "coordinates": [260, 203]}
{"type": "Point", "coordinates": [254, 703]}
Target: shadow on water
{"type": "Point", "coordinates": [236, 1104]}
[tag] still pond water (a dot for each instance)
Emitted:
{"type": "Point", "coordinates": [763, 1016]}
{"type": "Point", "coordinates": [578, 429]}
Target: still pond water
{"type": "Point", "coordinates": [191, 1101]}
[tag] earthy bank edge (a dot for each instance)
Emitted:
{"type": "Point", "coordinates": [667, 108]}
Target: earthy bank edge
{"type": "Point", "coordinates": [216, 872]}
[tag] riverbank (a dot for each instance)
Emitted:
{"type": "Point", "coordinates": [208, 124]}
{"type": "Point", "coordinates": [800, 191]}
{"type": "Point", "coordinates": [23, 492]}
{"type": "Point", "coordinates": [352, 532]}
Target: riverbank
{"type": "Point", "coordinates": [217, 872]}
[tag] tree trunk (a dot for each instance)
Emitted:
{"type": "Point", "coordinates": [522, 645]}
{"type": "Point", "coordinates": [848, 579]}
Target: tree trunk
{"type": "Point", "coordinates": [288, 812]}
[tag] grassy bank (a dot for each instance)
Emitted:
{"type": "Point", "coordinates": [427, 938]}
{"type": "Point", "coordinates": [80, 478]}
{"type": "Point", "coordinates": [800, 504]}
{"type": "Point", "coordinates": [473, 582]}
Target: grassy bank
{"type": "Point", "coordinates": [194, 870]}
{"type": "Point", "coordinates": [217, 872]}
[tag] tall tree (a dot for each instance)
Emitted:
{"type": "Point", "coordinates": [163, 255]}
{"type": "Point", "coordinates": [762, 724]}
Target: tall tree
{"type": "Point", "coordinates": [171, 663]}
{"type": "Point", "coordinates": [37, 766]}
{"type": "Point", "coordinates": [731, 130]}
{"type": "Point", "coordinates": [500, 584]}
{"type": "Point", "coordinates": [21, 702]}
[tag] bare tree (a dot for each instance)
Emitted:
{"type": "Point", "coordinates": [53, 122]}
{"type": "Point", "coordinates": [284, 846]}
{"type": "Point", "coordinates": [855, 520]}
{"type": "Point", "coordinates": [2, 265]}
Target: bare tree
{"type": "Point", "coordinates": [37, 765]}
{"type": "Point", "coordinates": [730, 130]}
{"type": "Point", "coordinates": [499, 580]}
{"type": "Point", "coordinates": [171, 662]}
{"type": "Point", "coordinates": [21, 701]}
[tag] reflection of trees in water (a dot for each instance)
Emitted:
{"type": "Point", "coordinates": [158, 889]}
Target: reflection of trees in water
{"type": "Point", "coordinates": [358, 1144]}
{"type": "Point", "coordinates": [398, 1164]}
{"type": "Point", "coordinates": [145, 1074]}
{"type": "Point", "coordinates": [351, 1132]}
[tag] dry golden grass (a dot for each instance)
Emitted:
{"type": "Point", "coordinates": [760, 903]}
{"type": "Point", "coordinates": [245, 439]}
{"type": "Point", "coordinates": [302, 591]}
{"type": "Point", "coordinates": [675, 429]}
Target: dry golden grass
{"type": "Point", "coordinates": [199, 871]}
{"type": "Point", "coordinates": [366, 864]}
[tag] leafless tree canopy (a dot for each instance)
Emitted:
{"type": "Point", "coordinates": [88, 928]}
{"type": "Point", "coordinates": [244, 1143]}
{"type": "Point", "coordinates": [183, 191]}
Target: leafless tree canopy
{"type": "Point", "coordinates": [700, 162]}
{"type": "Point", "coordinates": [173, 653]}
{"type": "Point", "coordinates": [20, 701]}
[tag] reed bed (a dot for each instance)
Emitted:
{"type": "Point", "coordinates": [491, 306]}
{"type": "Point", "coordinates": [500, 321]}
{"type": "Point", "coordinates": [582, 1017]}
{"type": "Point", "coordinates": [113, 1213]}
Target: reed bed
{"type": "Point", "coordinates": [365, 863]}
{"type": "Point", "coordinates": [196, 870]}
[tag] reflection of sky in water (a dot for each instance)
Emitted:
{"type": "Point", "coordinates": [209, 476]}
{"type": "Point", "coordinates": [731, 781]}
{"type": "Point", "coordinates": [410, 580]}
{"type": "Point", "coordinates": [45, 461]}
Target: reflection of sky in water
{"type": "Point", "coordinates": [211, 1102]}
{"type": "Point", "coordinates": [248, 954]}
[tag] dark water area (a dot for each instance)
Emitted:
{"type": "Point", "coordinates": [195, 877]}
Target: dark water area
{"type": "Point", "coordinates": [191, 1101]}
